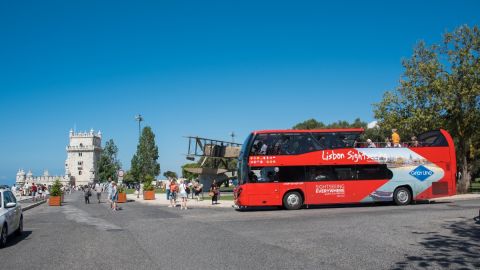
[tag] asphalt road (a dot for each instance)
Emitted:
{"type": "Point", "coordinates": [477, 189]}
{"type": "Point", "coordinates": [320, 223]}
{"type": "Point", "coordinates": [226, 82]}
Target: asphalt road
{"type": "Point", "coordinates": [79, 236]}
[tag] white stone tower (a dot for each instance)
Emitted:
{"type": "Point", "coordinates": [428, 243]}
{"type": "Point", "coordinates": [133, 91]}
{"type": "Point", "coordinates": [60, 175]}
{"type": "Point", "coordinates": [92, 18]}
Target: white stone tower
{"type": "Point", "coordinates": [83, 154]}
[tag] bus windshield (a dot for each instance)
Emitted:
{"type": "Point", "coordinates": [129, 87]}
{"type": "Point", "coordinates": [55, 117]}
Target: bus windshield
{"type": "Point", "coordinates": [243, 161]}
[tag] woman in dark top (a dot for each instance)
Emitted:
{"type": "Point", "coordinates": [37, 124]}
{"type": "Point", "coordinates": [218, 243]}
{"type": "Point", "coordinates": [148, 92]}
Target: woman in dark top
{"type": "Point", "coordinates": [214, 192]}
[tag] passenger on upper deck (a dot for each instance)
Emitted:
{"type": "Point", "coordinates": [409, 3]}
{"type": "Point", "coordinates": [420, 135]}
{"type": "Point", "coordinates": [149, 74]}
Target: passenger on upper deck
{"type": "Point", "coordinates": [371, 144]}
{"type": "Point", "coordinates": [263, 149]}
{"type": "Point", "coordinates": [388, 143]}
{"type": "Point", "coordinates": [395, 138]}
{"type": "Point", "coordinates": [415, 142]}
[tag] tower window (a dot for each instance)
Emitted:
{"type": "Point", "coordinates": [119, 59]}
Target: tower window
{"type": "Point", "coordinates": [80, 154]}
{"type": "Point", "coordinates": [79, 172]}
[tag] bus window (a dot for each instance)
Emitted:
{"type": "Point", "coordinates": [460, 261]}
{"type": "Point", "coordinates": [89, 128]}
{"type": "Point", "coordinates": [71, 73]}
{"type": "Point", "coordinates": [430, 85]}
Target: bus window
{"type": "Point", "coordinates": [320, 173]}
{"type": "Point", "coordinates": [373, 172]}
{"type": "Point", "coordinates": [263, 175]}
{"type": "Point", "coordinates": [432, 138]}
{"type": "Point", "coordinates": [264, 144]}
{"type": "Point", "coordinates": [291, 174]}
{"type": "Point", "coordinates": [344, 173]}
{"type": "Point", "coordinates": [328, 140]}
{"type": "Point", "coordinates": [295, 144]}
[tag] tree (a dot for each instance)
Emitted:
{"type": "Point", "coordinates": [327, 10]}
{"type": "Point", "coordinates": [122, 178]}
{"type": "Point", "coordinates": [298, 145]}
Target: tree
{"type": "Point", "coordinates": [187, 174]}
{"type": "Point", "coordinates": [314, 124]}
{"type": "Point", "coordinates": [144, 162]}
{"type": "Point", "coordinates": [170, 175]}
{"type": "Point", "coordinates": [375, 134]}
{"type": "Point", "coordinates": [128, 178]}
{"type": "Point", "coordinates": [108, 165]}
{"type": "Point", "coordinates": [440, 88]}
{"type": "Point", "coordinates": [309, 124]}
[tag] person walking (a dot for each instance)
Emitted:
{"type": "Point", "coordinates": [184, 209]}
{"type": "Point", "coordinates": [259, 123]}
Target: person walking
{"type": "Point", "coordinates": [98, 190]}
{"type": "Point", "coordinates": [34, 192]}
{"type": "Point", "coordinates": [109, 191]}
{"type": "Point", "coordinates": [167, 188]}
{"type": "Point", "coordinates": [40, 192]}
{"type": "Point", "coordinates": [183, 195]}
{"type": "Point", "coordinates": [137, 189]}
{"type": "Point", "coordinates": [114, 196]}
{"type": "Point", "coordinates": [173, 193]}
{"type": "Point", "coordinates": [214, 192]}
{"type": "Point", "coordinates": [86, 194]}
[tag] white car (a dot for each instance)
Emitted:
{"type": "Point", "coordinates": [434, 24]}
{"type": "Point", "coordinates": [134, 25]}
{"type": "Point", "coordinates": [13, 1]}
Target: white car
{"type": "Point", "coordinates": [11, 216]}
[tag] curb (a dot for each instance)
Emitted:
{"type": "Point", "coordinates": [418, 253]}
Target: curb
{"type": "Point", "coordinates": [466, 198]}
{"type": "Point", "coordinates": [228, 204]}
{"type": "Point", "coordinates": [190, 206]}
{"type": "Point", "coordinates": [28, 207]}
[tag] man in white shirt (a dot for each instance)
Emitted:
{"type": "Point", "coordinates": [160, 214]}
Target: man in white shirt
{"type": "Point", "coordinates": [98, 189]}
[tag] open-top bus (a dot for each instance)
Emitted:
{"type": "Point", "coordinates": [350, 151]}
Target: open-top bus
{"type": "Point", "coordinates": [293, 168]}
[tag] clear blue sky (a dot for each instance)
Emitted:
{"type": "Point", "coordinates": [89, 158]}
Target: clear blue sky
{"type": "Point", "coordinates": [196, 68]}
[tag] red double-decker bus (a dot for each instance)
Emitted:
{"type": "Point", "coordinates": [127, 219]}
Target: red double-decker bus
{"type": "Point", "coordinates": [293, 168]}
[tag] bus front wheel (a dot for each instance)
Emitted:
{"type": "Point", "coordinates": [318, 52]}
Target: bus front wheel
{"type": "Point", "coordinates": [292, 200]}
{"type": "Point", "coordinates": [402, 196]}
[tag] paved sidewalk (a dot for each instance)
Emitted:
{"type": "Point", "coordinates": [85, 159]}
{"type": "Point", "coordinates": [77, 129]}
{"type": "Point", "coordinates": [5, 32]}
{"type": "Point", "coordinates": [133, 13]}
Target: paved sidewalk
{"type": "Point", "coordinates": [161, 200]}
{"type": "Point", "coordinates": [459, 197]}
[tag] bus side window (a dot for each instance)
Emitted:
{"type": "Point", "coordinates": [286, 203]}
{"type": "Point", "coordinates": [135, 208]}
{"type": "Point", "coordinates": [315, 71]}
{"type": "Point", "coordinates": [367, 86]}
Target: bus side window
{"type": "Point", "coordinates": [291, 174]}
{"type": "Point", "coordinates": [373, 172]}
{"type": "Point", "coordinates": [320, 173]}
{"type": "Point", "coordinates": [345, 173]}
{"type": "Point", "coordinates": [263, 175]}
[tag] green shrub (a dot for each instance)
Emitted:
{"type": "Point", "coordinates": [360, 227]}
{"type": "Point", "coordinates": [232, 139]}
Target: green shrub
{"type": "Point", "coordinates": [56, 189]}
{"type": "Point", "coordinates": [121, 189]}
{"type": "Point", "coordinates": [147, 183]}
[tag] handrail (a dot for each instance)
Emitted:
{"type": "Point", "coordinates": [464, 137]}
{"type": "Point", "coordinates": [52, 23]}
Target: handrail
{"type": "Point", "coordinates": [409, 144]}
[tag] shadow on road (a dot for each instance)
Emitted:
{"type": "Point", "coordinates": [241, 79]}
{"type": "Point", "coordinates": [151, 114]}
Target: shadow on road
{"type": "Point", "coordinates": [457, 248]}
{"type": "Point", "coordinates": [14, 239]}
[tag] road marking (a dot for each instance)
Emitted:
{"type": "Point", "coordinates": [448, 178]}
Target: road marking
{"type": "Point", "coordinates": [77, 215]}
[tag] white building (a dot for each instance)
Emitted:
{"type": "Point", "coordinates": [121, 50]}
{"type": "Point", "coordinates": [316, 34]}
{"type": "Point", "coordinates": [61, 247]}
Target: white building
{"type": "Point", "coordinates": [83, 154]}
{"type": "Point", "coordinates": [46, 179]}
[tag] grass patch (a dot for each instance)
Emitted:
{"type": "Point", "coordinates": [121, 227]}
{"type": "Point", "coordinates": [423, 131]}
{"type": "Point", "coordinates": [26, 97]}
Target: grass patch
{"type": "Point", "coordinates": [475, 186]}
{"type": "Point", "coordinates": [226, 189]}
{"type": "Point", "coordinates": [226, 197]}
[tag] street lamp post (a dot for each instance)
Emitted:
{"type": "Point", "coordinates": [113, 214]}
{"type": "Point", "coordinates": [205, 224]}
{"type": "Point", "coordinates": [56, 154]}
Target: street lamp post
{"type": "Point", "coordinates": [139, 119]}
{"type": "Point", "coordinates": [232, 134]}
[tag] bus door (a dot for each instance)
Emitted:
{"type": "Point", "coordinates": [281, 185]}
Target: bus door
{"type": "Point", "coordinates": [264, 187]}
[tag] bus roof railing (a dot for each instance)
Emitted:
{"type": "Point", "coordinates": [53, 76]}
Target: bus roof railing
{"type": "Point", "coordinates": [333, 130]}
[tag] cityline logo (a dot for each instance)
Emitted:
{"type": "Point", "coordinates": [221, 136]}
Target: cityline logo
{"type": "Point", "coordinates": [421, 173]}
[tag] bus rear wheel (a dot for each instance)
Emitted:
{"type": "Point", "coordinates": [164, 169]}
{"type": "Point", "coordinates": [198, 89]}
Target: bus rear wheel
{"type": "Point", "coordinates": [402, 196]}
{"type": "Point", "coordinates": [292, 200]}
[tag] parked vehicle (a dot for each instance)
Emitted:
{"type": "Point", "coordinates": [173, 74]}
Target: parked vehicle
{"type": "Point", "coordinates": [11, 216]}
